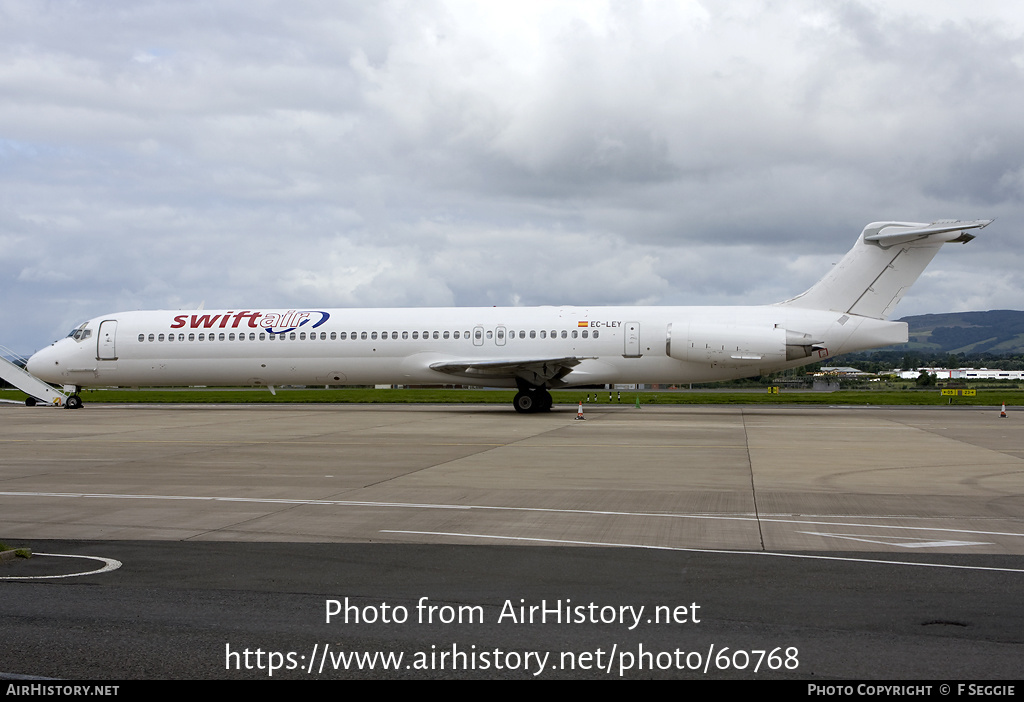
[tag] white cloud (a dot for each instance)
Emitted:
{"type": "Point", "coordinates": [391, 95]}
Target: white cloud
{"type": "Point", "coordinates": [433, 153]}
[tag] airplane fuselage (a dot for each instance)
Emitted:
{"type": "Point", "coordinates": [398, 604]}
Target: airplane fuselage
{"type": "Point", "coordinates": [408, 346]}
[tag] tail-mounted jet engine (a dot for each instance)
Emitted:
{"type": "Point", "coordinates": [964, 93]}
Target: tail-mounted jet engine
{"type": "Point", "coordinates": [733, 345]}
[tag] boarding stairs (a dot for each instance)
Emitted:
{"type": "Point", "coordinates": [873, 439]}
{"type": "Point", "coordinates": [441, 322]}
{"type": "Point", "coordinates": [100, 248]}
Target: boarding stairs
{"type": "Point", "coordinates": [36, 389]}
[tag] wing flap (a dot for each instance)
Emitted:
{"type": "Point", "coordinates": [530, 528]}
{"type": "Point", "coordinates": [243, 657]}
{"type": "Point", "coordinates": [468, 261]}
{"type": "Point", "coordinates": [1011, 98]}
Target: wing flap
{"type": "Point", "coordinates": [536, 371]}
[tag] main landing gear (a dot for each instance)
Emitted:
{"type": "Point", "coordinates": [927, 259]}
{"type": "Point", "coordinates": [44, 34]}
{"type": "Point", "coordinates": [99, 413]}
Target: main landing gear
{"type": "Point", "coordinates": [532, 400]}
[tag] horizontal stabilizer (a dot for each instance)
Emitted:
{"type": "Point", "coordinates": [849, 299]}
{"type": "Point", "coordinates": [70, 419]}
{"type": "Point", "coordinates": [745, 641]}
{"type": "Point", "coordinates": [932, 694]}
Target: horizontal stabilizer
{"type": "Point", "coordinates": [893, 234]}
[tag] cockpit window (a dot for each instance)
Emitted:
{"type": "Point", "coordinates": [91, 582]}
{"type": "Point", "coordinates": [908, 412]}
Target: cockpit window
{"type": "Point", "coordinates": [81, 333]}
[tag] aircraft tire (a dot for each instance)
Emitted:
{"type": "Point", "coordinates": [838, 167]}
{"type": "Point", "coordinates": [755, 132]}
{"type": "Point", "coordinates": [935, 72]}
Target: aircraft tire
{"type": "Point", "coordinates": [531, 401]}
{"type": "Point", "coordinates": [524, 402]}
{"type": "Point", "coordinates": [73, 402]}
{"type": "Point", "coordinates": [544, 401]}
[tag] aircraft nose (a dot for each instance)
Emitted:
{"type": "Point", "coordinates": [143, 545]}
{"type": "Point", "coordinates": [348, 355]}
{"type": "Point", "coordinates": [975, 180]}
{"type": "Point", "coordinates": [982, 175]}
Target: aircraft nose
{"type": "Point", "coordinates": [41, 363]}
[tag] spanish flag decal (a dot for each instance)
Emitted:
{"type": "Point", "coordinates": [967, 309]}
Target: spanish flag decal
{"type": "Point", "coordinates": [581, 324]}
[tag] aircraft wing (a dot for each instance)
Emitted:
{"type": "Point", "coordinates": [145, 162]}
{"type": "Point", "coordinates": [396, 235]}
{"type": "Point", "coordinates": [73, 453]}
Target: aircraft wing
{"type": "Point", "coordinates": [536, 371]}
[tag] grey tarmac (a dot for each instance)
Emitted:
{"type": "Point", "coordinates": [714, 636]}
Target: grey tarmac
{"type": "Point", "coordinates": [881, 542]}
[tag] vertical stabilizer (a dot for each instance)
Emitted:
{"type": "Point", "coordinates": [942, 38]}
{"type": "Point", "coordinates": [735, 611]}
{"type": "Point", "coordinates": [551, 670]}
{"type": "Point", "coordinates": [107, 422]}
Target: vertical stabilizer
{"type": "Point", "coordinates": [886, 260]}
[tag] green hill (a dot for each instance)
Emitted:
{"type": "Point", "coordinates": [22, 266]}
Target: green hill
{"type": "Point", "coordinates": [996, 331]}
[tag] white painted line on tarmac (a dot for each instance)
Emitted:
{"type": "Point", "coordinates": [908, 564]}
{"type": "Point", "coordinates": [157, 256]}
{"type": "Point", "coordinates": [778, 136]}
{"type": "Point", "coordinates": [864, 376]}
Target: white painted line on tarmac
{"type": "Point", "coordinates": [703, 550]}
{"type": "Point", "coordinates": [901, 541]}
{"type": "Point", "coordinates": [259, 500]}
{"type": "Point", "coordinates": [109, 564]}
{"type": "Point", "coordinates": [547, 510]}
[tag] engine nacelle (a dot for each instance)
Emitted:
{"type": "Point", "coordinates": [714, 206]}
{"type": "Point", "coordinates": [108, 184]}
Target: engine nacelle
{"type": "Point", "coordinates": [736, 345]}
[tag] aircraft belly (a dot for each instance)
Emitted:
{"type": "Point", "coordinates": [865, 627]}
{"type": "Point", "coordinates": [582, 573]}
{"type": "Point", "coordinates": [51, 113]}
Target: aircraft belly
{"type": "Point", "coordinates": [261, 371]}
{"type": "Point", "coordinates": [649, 370]}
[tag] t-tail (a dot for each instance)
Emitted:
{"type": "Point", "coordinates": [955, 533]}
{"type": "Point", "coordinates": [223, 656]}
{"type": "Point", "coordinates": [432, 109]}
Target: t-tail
{"type": "Point", "coordinates": [886, 260]}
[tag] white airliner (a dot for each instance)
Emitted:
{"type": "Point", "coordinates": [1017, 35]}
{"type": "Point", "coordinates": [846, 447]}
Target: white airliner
{"type": "Point", "coordinates": [529, 348]}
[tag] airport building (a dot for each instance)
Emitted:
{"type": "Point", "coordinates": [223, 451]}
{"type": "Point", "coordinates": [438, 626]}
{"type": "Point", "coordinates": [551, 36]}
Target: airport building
{"type": "Point", "coordinates": [963, 374]}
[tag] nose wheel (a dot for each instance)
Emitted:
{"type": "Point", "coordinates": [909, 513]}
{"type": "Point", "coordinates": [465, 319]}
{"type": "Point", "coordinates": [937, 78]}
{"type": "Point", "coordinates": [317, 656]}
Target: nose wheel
{"type": "Point", "coordinates": [73, 402]}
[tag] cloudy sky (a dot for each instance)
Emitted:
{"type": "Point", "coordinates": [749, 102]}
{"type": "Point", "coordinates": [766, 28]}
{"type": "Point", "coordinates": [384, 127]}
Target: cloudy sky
{"type": "Point", "coordinates": [427, 153]}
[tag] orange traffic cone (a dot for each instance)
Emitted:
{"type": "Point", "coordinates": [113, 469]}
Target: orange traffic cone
{"type": "Point", "coordinates": [1003, 412]}
{"type": "Point", "coordinates": [579, 412]}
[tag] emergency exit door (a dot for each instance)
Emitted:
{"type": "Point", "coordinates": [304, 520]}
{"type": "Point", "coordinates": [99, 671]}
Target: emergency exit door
{"type": "Point", "coordinates": [631, 339]}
